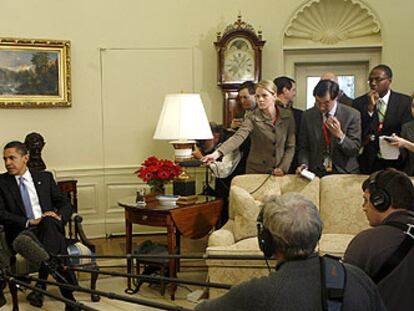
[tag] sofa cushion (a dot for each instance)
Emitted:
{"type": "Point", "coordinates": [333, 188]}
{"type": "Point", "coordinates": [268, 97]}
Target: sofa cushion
{"type": "Point", "coordinates": [341, 204]}
{"type": "Point", "coordinates": [246, 209]}
{"type": "Point", "coordinates": [334, 244]}
{"type": "Point", "coordinates": [309, 189]}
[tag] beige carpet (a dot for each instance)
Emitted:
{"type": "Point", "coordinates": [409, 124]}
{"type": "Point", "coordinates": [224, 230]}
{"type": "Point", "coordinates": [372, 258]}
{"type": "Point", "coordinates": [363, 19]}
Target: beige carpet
{"type": "Point", "coordinates": [117, 285]}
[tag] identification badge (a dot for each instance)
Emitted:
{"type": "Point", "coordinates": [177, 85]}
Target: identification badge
{"type": "Point", "coordinates": [327, 163]}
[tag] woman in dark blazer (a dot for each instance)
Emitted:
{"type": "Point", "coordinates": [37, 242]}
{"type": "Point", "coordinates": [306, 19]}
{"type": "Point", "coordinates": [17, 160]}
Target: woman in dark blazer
{"type": "Point", "coordinates": [272, 135]}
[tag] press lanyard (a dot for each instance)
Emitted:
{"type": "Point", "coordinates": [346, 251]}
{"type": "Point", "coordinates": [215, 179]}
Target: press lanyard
{"type": "Point", "coordinates": [327, 161]}
{"type": "Point", "coordinates": [380, 127]}
{"type": "Point", "coordinates": [326, 133]}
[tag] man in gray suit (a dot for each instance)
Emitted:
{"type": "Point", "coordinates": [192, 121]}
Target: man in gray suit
{"type": "Point", "coordinates": [330, 134]}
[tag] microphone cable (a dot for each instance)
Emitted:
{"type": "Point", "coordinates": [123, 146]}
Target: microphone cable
{"type": "Point", "coordinates": [263, 183]}
{"type": "Point", "coordinates": [270, 174]}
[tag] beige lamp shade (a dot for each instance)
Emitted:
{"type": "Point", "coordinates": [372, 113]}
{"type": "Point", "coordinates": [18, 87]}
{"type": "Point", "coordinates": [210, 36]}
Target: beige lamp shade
{"type": "Point", "coordinates": [182, 118]}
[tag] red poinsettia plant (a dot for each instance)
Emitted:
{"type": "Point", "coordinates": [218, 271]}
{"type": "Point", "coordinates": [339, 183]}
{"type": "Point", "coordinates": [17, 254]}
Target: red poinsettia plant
{"type": "Point", "coordinates": [156, 173]}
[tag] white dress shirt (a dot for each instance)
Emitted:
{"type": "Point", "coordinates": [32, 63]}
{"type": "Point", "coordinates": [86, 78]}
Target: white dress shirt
{"type": "Point", "coordinates": [386, 99]}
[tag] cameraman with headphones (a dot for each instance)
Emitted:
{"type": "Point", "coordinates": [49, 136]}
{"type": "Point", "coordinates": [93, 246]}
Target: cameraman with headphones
{"type": "Point", "coordinates": [385, 251]}
{"type": "Point", "coordinates": [289, 228]}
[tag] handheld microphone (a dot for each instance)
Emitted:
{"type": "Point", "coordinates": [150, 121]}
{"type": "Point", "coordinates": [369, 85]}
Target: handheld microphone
{"type": "Point", "coordinates": [28, 245]}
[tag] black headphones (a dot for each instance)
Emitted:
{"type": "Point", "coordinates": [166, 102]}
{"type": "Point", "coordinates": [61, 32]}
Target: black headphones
{"type": "Point", "coordinates": [266, 243]}
{"type": "Point", "coordinates": [380, 198]}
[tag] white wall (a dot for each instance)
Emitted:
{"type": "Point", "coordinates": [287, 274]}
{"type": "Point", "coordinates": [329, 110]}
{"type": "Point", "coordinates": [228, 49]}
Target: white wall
{"type": "Point", "coordinates": [126, 55]}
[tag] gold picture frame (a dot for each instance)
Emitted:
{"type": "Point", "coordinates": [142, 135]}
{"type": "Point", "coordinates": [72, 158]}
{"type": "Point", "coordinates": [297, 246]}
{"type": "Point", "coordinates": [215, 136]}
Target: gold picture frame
{"type": "Point", "coordinates": [35, 73]}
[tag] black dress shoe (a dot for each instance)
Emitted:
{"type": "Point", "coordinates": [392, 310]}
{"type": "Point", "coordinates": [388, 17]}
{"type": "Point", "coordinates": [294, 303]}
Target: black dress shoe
{"type": "Point", "coordinates": [35, 299]}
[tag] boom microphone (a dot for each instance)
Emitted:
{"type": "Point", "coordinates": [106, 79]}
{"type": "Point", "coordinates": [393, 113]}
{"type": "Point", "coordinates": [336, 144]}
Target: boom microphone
{"type": "Point", "coordinates": [78, 305]}
{"type": "Point", "coordinates": [175, 256]}
{"type": "Point", "coordinates": [28, 245]}
{"type": "Point", "coordinates": [115, 296]}
{"type": "Point", "coordinates": [154, 278]}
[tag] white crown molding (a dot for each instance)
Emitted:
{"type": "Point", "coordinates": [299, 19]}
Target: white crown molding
{"type": "Point", "coordinates": [374, 46]}
{"type": "Point", "coordinates": [328, 22]}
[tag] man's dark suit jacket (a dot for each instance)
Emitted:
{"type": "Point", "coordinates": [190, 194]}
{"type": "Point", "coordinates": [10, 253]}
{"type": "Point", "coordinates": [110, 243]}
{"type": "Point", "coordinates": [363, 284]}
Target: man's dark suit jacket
{"type": "Point", "coordinates": [398, 112]}
{"type": "Point", "coordinates": [312, 141]}
{"type": "Point", "coordinates": [12, 212]}
{"type": "Point", "coordinates": [345, 99]}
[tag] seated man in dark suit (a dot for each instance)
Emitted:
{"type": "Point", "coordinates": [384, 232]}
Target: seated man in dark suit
{"type": "Point", "coordinates": [31, 201]}
{"type": "Point", "coordinates": [383, 112]}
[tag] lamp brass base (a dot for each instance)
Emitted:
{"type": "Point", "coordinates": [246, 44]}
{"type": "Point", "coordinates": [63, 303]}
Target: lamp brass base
{"type": "Point", "coordinates": [184, 187]}
{"type": "Point", "coordinates": [184, 184]}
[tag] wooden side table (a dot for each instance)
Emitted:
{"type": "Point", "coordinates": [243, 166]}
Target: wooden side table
{"type": "Point", "coordinates": [191, 221]}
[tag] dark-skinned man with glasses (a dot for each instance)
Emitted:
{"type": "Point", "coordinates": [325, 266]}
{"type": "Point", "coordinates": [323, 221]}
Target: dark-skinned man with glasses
{"type": "Point", "coordinates": [383, 112]}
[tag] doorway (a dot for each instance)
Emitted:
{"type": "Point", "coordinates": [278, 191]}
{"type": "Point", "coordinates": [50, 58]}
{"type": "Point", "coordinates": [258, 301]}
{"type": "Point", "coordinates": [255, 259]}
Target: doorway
{"type": "Point", "coordinates": [352, 79]}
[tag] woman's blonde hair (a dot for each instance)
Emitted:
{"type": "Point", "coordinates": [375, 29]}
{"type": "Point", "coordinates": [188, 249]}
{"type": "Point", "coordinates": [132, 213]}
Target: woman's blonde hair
{"type": "Point", "coordinates": [268, 85]}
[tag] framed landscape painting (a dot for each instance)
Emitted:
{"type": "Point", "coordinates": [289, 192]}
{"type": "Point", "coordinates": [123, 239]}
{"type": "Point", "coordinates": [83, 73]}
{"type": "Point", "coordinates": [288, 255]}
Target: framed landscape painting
{"type": "Point", "coordinates": [34, 73]}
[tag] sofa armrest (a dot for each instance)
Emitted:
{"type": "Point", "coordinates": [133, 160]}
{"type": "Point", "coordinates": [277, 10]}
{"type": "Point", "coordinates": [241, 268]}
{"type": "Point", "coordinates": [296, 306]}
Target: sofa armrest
{"type": "Point", "coordinates": [224, 236]}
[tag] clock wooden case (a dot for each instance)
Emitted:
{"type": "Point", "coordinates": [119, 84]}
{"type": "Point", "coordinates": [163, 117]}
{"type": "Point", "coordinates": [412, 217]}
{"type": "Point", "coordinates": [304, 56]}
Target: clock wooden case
{"type": "Point", "coordinates": [239, 59]}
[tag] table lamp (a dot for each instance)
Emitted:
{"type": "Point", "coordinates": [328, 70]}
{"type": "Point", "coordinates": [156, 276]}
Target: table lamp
{"type": "Point", "coordinates": [183, 120]}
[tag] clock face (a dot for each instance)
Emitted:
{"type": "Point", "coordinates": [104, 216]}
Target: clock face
{"type": "Point", "coordinates": [239, 61]}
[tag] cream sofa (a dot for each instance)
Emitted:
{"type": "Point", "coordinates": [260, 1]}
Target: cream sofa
{"type": "Point", "coordinates": [338, 197]}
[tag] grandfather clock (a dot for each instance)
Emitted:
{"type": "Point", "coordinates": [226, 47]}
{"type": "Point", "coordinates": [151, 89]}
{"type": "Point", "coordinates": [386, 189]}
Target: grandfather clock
{"type": "Point", "coordinates": [239, 59]}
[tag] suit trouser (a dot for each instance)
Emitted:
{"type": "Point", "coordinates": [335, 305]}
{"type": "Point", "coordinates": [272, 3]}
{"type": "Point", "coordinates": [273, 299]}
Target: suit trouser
{"type": "Point", "coordinates": [51, 233]}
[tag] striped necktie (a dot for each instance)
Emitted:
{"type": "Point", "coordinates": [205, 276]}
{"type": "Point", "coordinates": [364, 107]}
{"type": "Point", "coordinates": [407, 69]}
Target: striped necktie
{"type": "Point", "coordinates": [381, 109]}
{"type": "Point", "coordinates": [26, 198]}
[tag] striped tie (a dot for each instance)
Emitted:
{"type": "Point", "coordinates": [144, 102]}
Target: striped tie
{"type": "Point", "coordinates": [381, 109]}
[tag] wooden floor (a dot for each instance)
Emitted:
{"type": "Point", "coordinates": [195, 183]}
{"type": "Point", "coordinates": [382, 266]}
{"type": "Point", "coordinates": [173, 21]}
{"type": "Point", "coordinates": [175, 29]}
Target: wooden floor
{"type": "Point", "coordinates": [116, 246]}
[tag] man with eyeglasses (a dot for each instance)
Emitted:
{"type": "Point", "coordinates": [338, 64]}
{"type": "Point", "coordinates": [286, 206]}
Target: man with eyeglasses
{"type": "Point", "coordinates": [383, 112]}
